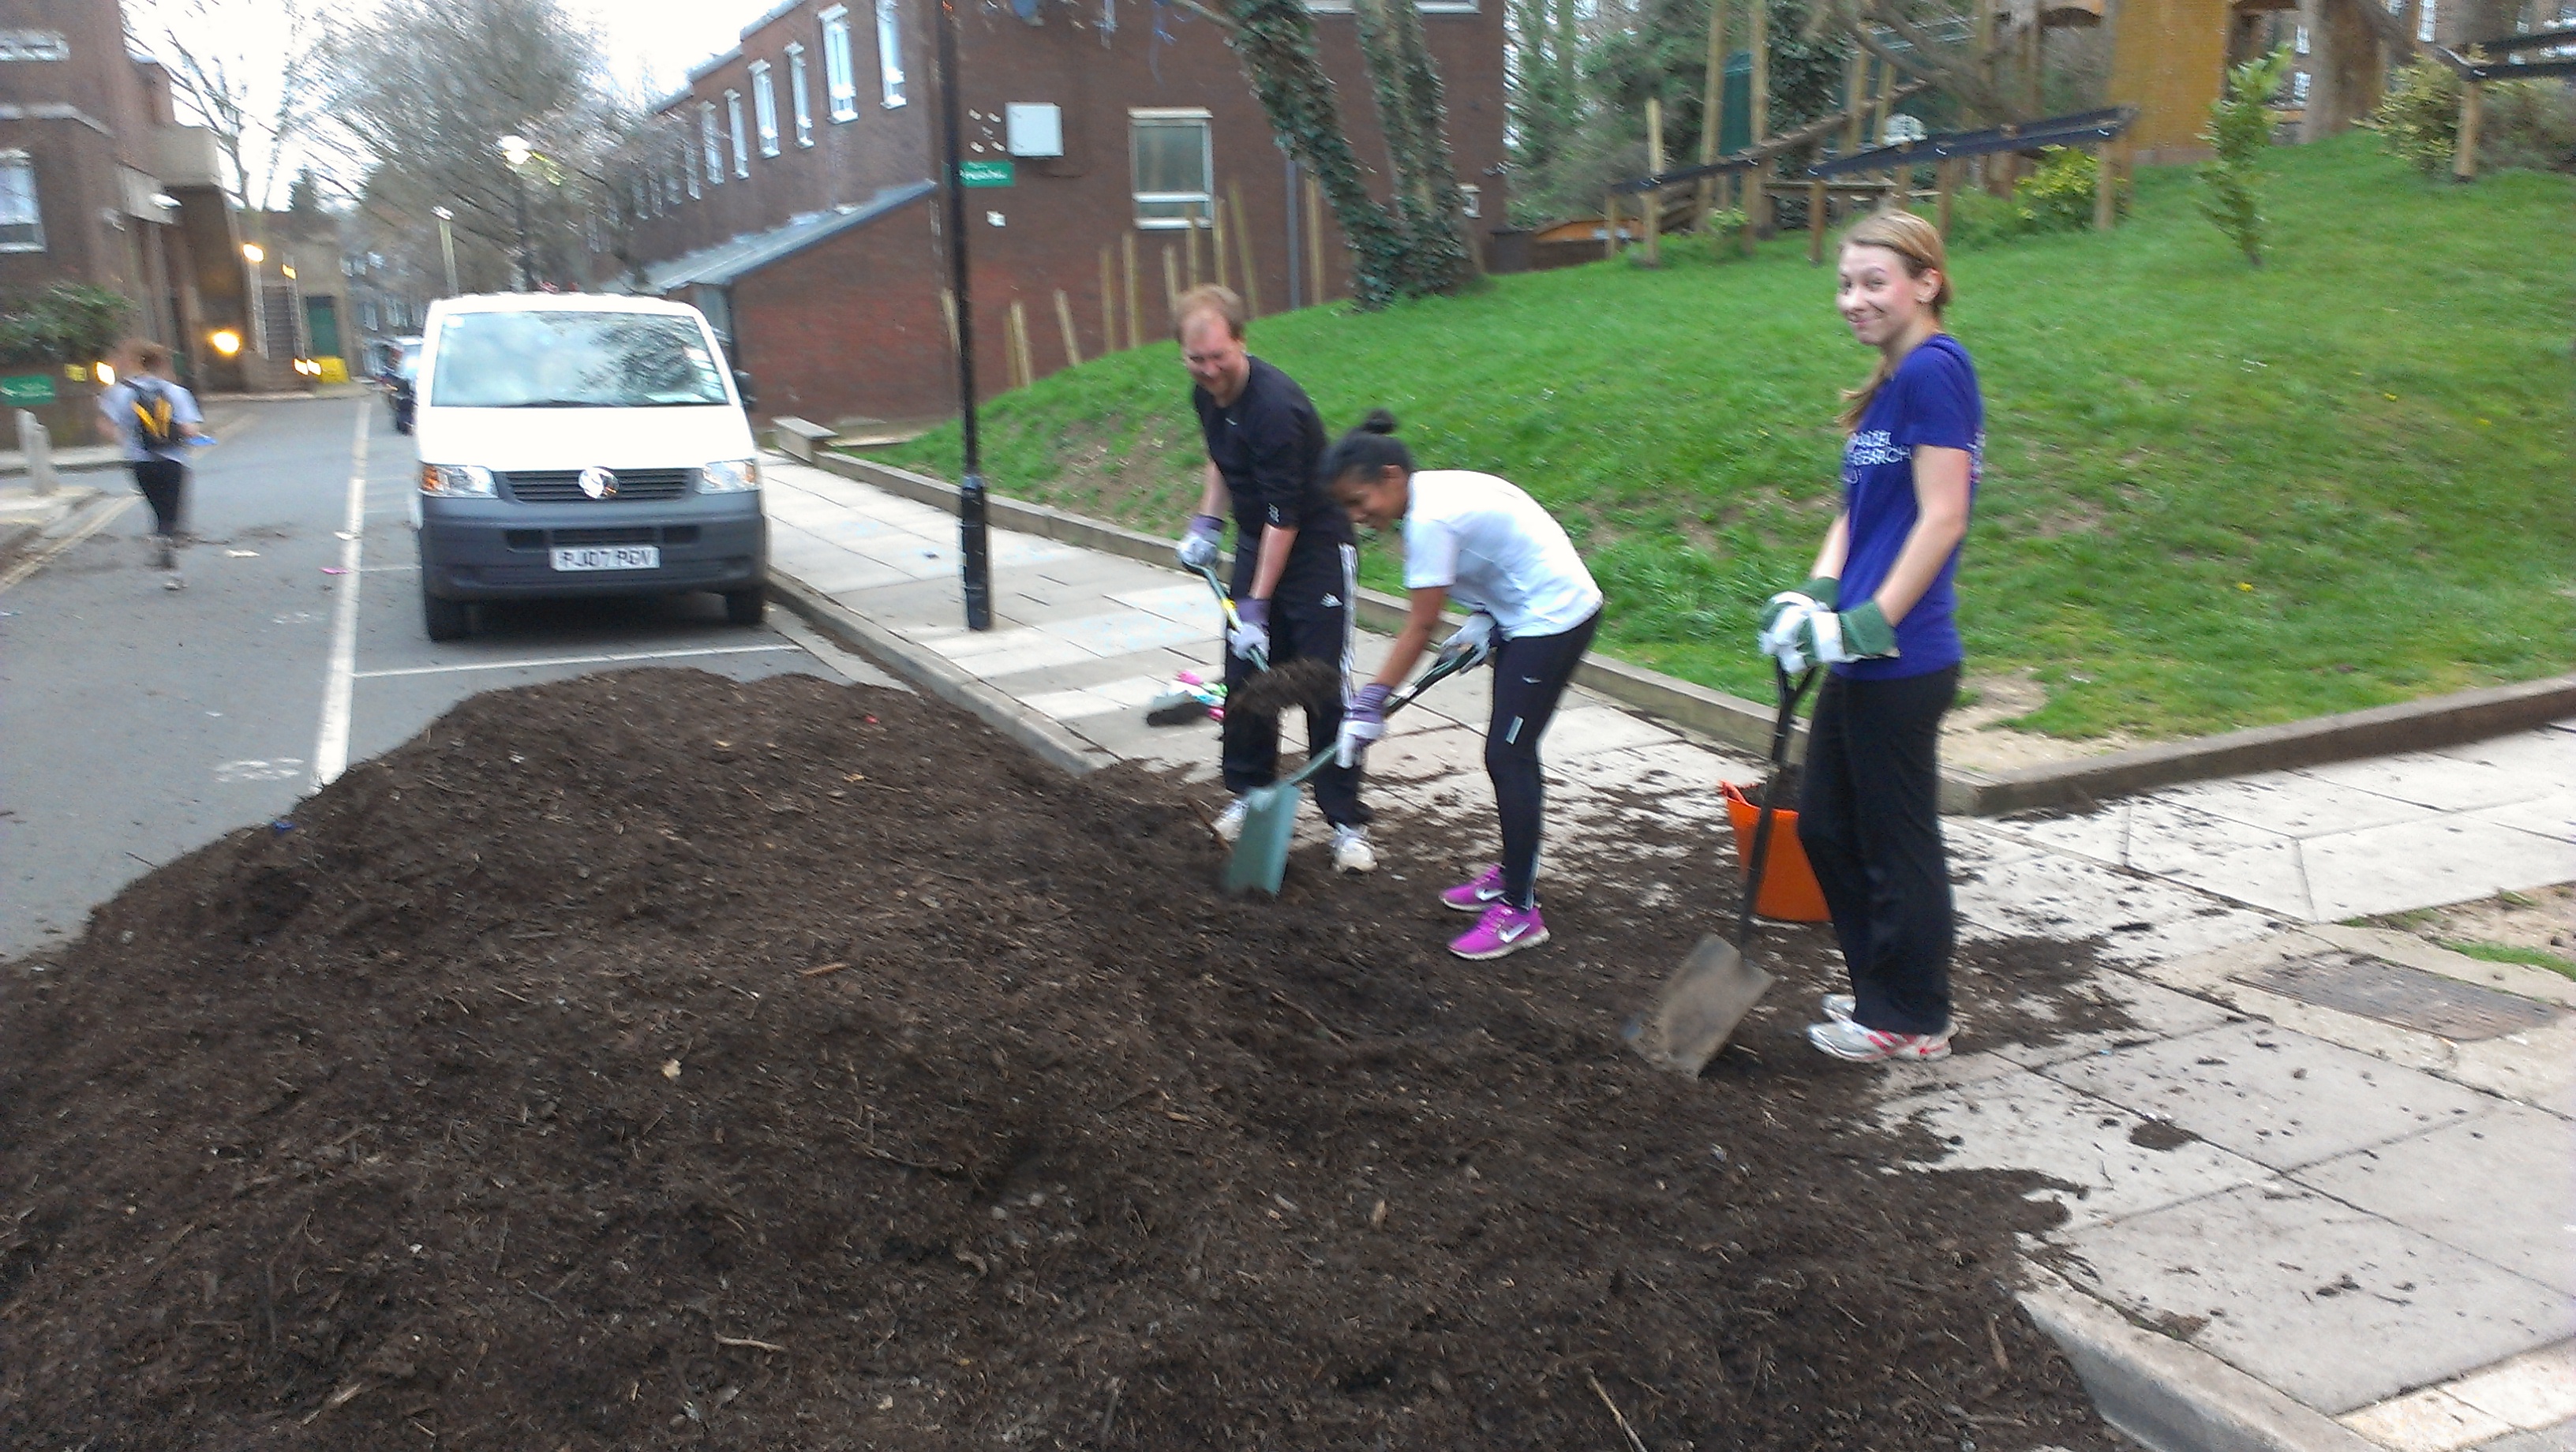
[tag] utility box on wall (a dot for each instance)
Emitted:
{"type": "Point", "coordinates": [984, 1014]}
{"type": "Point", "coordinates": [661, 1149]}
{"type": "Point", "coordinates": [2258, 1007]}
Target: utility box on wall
{"type": "Point", "coordinates": [1034, 128]}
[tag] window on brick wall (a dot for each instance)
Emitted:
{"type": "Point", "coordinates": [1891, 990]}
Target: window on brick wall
{"type": "Point", "coordinates": [1173, 167]}
{"type": "Point", "coordinates": [799, 96]}
{"type": "Point", "coordinates": [2424, 23]}
{"type": "Point", "coordinates": [710, 149]}
{"type": "Point", "coordinates": [22, 222]}
{"type": "Point", "coordinates": [890, 53]}
{"type": "Point", "coordinates": [764, 107]}
{"type": "Point", "coordinates": [840, 78]}
{"type": "Point", "coordinates": [741, 142]}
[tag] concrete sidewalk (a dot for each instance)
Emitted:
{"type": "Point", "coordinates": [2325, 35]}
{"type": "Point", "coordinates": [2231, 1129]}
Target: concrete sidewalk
{"type": "Point", "coordinates": [2322, 1196]}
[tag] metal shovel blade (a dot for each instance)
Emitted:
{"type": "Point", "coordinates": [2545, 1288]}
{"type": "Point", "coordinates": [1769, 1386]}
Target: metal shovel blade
{"type": "Point", "coordinates": [1699, 1008]}
{"type": "Point", "coordinates": [1260, 858]}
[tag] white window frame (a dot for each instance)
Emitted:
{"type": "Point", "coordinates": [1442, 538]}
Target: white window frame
{"type": "Point", "coordinates": [710, 146]}
{"type": "Point", "coordinates": [890, 84]}
{"type": "Point", "coordinates": [840, 75]}
{"type": "Point", "coordinates": [741, 139]}
{"type": "Point", "coordinates": [764, 107]}
{"type": "Point", "coordinates": [2424, 22]}
{"type": "Point", "coordinates": [800, 95]}
{"type": "Point", "coordinates": [1475, 196]}
{"type": "Point", "coordinates": [1206, 200]}
{"type": "Point", "coordinates": [34, 45]}
{"type": "Point", "coordinates": [20, 204]}
{"type": "Point", "coordinates": [687, 170]}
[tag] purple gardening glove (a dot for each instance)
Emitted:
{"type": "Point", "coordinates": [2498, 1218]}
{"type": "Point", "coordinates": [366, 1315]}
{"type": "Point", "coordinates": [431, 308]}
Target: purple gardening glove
{"type": "Point", "coordinates": [1250, 636]}
{"type": "Point", "coordinates": [1363, 722]}
{"type": "Point", "coordinates": [1197, 548]}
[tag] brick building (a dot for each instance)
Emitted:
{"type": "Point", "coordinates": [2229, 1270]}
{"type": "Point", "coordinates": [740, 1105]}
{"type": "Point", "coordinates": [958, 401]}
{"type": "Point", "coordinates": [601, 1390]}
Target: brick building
{"type": "Point", "coordinates": [789, 189]}
{"type": "Point", "coordinates": [100, 184]}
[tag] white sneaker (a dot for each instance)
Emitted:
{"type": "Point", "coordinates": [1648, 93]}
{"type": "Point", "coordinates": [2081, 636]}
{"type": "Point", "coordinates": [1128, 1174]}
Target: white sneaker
{"type": "Point", "coordinates": [1229, 823]}
{"type": "Point", "coordinates": [173, 581]}
{"type": "Point", "coordinates": [1351, 852]}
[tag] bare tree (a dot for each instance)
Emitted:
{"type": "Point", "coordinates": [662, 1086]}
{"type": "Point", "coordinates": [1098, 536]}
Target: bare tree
{"type": "Point", "coordinates": [250, 71]}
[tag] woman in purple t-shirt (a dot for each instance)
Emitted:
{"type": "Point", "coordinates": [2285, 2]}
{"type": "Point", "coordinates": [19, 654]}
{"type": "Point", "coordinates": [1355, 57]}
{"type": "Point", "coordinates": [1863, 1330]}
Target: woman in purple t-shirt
{"type": "Point", "coordinates": [1879, 613]}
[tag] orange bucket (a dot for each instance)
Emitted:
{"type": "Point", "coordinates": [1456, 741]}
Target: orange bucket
{"type": "Point", "coordinates": [1789, 892]}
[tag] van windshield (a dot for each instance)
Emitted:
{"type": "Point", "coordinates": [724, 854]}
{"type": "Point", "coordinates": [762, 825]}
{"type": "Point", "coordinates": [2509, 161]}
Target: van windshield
{"type": "Point", "coordinates": [573, 360]}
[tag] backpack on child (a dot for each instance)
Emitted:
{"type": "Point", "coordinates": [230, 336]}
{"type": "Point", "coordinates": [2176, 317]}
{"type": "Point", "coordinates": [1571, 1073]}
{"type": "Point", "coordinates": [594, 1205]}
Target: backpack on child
{"type": "Point", "coordinates": [154, 427]}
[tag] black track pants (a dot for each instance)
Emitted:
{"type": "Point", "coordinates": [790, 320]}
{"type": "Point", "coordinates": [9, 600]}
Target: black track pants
{"type": "Point", "coordinates": [164, 482]}
{"type": "Point", "coordinates": [1310, 615]}
{"type": "Point", "coordinates": [1530, 676]}
{"type": "Point", "coordinates": [1869, 817]}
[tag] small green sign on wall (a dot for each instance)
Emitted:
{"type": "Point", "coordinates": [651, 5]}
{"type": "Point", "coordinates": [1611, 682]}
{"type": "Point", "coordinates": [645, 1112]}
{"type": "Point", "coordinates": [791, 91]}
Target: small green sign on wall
{"type": "Point", "coordinates": [983, 173]}
{"type": "Point", "coordinates": [27, 390]}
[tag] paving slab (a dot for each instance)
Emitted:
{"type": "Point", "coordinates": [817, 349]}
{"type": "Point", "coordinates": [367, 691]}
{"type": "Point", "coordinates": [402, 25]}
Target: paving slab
{"type": "Point", "coordinates": [2154, 1012]}
{"type": "Point", "coordinates": [2294, 804]}
{"type": "Point", "coordinates": [2136, 918]}
{"type": "Point", "coordinates": [2501, 1186]}
{"type": "Point", "coordinates": [2441, 780]}
{"type": "Point", "coordinates": [2445, 859]}
{"type": "Point", "coordinates": [2547, 753]}
{"type": "Point", "coordinates": [2112, 1161]}
{"type": "Point", "coordinates": [2561, 1438]}
{"type": "Point", "coordinates": [2333, 1305]}
{"type": "Point", "coordinates": [2533, 1391]}
{"type": "Point", "coordinates": [2552, 814]}
{"type": "Point", "coordinates": [1584, 729]}
{"type": "Point", "coordinates": [2431, 1420]}
{"type": "Point", "coordinates": [2279, 1098]}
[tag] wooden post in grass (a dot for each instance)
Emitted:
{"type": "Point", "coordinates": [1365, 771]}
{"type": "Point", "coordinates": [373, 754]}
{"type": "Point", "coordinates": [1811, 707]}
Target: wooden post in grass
{"type": "Point", "coordinates": [1171, 280]}
{"type": "Point", "coordinates": [1315, 235]}
{"type": "Point", "coordinates": [1135, 314]}
{"type": "Point", "coordinates": [1072, 340]}
{"type": "Point", "coordinates": [1653, 199]}
{"type": "Point", "coordinates": [1712, 106]}
{"type": "Point", "coordinates": [2106, 189]}
{"type": "Point", "coordinates": [948, 309]}
{"type": "Point", "coordinates": [1855, 87]}
{"type": "Point", "coordinates": [1216, 241]}
{"type": "Point", "coordinates": [1243, 243]}
{"type": "Point", "coordinates": [1609, 224]}
{"type": "Point", "coordinates": [1815, 223]}
{"type": "Point", "coordinates": [1190, 249]}
{"type": "Point", "coordinates": [1108, 305]}
{"type": "Point", "coordinates": [2464, 159]}
{"type": "Point", "coordinates": [1014, 323]}
{"type": "Point", "coordinates": [1946, 179]}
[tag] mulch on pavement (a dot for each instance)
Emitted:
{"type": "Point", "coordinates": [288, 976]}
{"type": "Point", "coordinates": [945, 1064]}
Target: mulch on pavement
{"type": "Point", "coordinates": [657, 1060]}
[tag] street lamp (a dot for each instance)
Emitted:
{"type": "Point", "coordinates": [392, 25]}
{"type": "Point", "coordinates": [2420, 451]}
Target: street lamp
{"type": "Point", "coordinates": [447, 243]}
{"type": "Point", "coordinates": [515, 150]}
{"type": "Point", "coordinates": [254, 254]}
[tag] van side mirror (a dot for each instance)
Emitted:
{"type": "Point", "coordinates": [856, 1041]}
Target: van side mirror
{"type": "Point", "coordinates": [742, 385]}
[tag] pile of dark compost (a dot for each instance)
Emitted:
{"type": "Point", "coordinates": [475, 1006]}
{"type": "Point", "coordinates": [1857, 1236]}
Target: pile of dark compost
{"type": "Point", "coordinates": [657, 1060]}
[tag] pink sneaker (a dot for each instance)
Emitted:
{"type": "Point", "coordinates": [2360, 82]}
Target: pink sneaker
{"type": "Point", "coordinates": [1476, 894]}
{"type": "Point", "coordinates": [1503, 929]}
{"type": "Point", "coordinates": [1847, 1040]}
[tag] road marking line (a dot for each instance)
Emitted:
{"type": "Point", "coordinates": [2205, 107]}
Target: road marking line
{"type": "Point", "coordinates": [331, 742]}
{"type": "Point", "coordinates": [46, 556]}
{"type": "Point", "coordinates": [566, 660]}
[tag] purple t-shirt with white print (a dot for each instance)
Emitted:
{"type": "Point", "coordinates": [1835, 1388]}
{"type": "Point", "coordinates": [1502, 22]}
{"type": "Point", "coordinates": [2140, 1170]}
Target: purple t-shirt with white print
{"type": "Point", "coordinates": [1933, 400]}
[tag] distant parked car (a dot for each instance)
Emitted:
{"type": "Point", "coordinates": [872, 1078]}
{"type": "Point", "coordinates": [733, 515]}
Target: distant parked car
{"type": "Point", "coordinates": [581, 444]}
{"type": "Point", "coordinates": [401, 373]}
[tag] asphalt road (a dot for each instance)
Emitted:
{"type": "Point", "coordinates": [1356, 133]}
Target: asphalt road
{"type": "Point", "coordinates": [137, 724]}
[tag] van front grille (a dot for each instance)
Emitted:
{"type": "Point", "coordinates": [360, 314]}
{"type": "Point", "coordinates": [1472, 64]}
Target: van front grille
{"type": "Point", "coordinates": [563, 486]}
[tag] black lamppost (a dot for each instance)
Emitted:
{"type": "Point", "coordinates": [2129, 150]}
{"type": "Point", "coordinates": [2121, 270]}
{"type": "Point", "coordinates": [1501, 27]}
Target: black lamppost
{"type": "Point", "coordinates": [516, 151]}
{"type": "Point", "coordinates": [972, 535]}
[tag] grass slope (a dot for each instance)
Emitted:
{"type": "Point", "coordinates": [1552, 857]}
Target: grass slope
{"type": "Point", "coordinates": [2214, 496]}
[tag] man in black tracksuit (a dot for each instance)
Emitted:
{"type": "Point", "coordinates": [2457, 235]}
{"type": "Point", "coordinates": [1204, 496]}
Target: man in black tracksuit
{"type": "Point", "coordinates": [1295, 563]}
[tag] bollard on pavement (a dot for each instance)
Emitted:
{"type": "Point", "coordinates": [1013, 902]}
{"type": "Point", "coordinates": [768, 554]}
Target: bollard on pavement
{"type": "Point", "coordinates": [36, 443]}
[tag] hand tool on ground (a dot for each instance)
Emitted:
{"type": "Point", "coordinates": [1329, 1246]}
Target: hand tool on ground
{"type": "Point", "coordinates": [1715, 987]}
{"type": "Point", "coordinates": [1260, 856]}
{"type": "Point", "coordinates": [1268, 692]}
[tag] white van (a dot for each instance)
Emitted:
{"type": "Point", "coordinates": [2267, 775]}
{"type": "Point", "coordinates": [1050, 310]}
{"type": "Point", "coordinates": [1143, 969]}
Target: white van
{"type": "Point", "coordinates": [576, 444]}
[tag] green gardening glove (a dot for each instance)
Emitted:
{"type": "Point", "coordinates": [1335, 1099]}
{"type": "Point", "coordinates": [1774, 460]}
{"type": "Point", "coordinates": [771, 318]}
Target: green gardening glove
{"type": "Point", "coordinates": [1860, 633]}
{"type": "Point", "coordinates": [1818, 593]}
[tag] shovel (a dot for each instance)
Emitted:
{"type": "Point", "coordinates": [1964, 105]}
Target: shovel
{"type": "Point", "coordinates": [1715, 987]}
{"type": "Point", "coordinates": [1268, 692]}
{"type": "Point", "coordinates": [1270, 813]}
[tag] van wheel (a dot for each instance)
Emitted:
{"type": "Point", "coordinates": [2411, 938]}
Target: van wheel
{"type": "Point", "coordinates": [745, 607]}
{"type": "Point", "coordinates": [445, 619]}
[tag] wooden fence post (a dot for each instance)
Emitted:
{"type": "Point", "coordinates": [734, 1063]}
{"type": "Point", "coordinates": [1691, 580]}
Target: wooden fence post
{"type": "Point", "coordinates": [1015, 344]}
{"type": "Point", "coordinates": [1315, 235]}
{"type": "Point", "coordinates": [1757, 209]}
{"type": "Point", "coordinates": [1609, 224]}
{"type": "Point", "coordinates": [1135, 314]}
{"type": "Point", "coordinates": [2106, 189]}
{"type": "Point", "coordinates": [2464, 159]}
{"type": "Point", "coordinates": [1171, 280]}
{"type": "Point", "coordinates": [1243, 244]}
{"type": "Point", "coordinates": [1712, 110]}
{"type": "Point", "coordinates": [948, 309]}
{"type": "Point", "coordinates": [1072, 340]}
{"type": "Point", "coordinates": [1946, 177]}
{"type": "Point", "coordinates": [1815, 223]}
{"type": "Point", "coordinates": [1190, 250]}
{"type": "Point", "coordinates": [1653, 199]}
{"type": "Point", "coordinates": [1216, 239]}
{"type": "Point", "coordinates": [1108, 305]}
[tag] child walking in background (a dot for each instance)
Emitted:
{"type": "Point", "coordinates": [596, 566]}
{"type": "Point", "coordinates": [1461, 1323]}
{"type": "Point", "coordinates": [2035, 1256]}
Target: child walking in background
{"type": "Point", "coordinates": [1481, 540]}
{"type": "Point", "coordinates": [1879, 614]}
{"type": "Point", "coordinates": [154, 418]}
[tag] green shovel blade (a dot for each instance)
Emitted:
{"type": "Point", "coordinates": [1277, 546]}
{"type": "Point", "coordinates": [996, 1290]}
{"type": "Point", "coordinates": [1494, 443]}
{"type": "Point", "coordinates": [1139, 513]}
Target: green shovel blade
{"type": "Point", "coordinates": [1260, 858]}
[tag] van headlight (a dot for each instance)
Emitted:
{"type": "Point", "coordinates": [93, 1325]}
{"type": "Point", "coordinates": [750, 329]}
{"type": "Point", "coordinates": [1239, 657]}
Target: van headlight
{"type": "Point", "coordinates": [456, 481]}
{"type": "Point", "coordinates": [729, 476]}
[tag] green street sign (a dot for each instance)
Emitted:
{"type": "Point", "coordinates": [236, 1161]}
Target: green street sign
{"type": "Point", "coordinates": [27, 390]}
{"type": "Point", "coordinates": [983, 173]}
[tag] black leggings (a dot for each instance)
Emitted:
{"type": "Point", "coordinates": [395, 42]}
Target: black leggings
{"type": "Point", "coordinates": [1530, 674]}
{"type": "Point", "coordinates": [1869, 815]}
{"type": "Point", "coordinates": [163, 482]}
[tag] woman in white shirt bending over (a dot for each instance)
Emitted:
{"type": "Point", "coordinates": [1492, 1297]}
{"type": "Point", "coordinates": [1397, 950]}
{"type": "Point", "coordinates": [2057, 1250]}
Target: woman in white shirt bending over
{"type": "Point", "coordinates": [1483, 542]}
